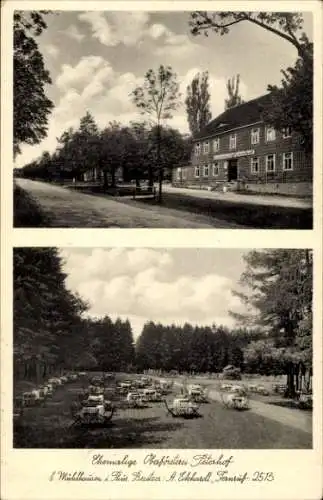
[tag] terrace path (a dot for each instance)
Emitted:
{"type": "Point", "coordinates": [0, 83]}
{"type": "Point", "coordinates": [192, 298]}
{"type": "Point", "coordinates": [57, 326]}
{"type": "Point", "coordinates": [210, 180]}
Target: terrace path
{"type": "Point", "coordinates": [292, 417]}
{"type": "Point", "coordinates": [67, 208]}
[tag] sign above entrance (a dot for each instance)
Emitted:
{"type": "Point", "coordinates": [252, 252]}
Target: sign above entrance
{"type": "Point", "coordinates": [237, 154]}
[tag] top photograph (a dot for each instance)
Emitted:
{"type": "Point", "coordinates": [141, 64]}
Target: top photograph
{"type": "Point", "coordinates": [165, 119]}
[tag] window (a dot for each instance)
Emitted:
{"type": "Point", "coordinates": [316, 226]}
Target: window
{"type": "Point", "coordinates": [197, 171]}
{"type": "Point", "coordinates": [255, 135]}
{"type": "Point", "coordinates": [287, 132]}
{"type": "Point", "coordinates": [270, 134]}
{"type": "Point", "coordinates": [178, 174]}
{"type": "Point", "coordinates": [287, 161]}
{"type": "Point", "coordinates": [206, 147]}
{"type": "Point", "coordinates": [206, 171]}
{"type": "Point", "coordinates": [233, 141]}
{"type": "Point", "coordinates": [197, 149]}
{"type": "Point", "coordinates": [184, 173]}
{"type": "Point", "coordinates": [216, 168]}
{"type": "Point", "coordinates": [255, 164]}
{"type": "Point", "coordinates": [216, 144]}
{"type": "Point", "coordinates": [270, 163]}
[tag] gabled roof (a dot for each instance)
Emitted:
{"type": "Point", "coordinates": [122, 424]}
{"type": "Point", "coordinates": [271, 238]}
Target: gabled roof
{"type": "Point", "coordinates": [238, 116]}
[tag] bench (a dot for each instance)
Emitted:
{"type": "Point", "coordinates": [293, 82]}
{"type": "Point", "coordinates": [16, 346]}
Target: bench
{"type": "Point", "coordinates": [149, 191]}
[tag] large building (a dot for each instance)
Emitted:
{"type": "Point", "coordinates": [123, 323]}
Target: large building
{"type": "Point", "coordinates": [238, 150]}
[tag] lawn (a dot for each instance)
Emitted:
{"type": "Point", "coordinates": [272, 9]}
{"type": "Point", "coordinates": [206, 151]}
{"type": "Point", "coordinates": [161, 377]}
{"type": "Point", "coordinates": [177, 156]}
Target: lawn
{"type": "Point", "coordinates": [27, 213]}
{"type": "Point", "coordinates": [49, 426]}
{"type": "Point", "coordinates": [245, 214]}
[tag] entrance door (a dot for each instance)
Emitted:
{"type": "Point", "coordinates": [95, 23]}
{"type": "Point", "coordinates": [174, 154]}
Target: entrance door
{"type": "Point", "coordinates": [233, 170]}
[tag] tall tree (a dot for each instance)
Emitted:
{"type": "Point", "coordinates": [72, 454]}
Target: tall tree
{"type": "Point", "coordinates": [31, 106]}
{"type": "Point", "coordinates": [286, 25]}
{"type": "Point", "coordinates": [278, 286]}
{"type": "Point", "coordinates": [47, 317]}
{"type": "Point", "coordinates": [158, 97]}
{"type": "Point", "coordinates": [291, 104]}
{"type": "Point", "coordinates": [198, 103]}
{"type": "Point", "coordinates": [234, 99]}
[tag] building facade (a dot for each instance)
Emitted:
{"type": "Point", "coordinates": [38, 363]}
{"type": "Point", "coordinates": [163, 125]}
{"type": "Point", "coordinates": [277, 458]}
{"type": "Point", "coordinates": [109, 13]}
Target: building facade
{"type": "Point", "coordinates": [239, 151]}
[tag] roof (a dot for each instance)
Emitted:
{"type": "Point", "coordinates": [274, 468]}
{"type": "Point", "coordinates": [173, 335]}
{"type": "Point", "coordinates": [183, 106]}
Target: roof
{"type": "Point", "coordinates": [238, 116]}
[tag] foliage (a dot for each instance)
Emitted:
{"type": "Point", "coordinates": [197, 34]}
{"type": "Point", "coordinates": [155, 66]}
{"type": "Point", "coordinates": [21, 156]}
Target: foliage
{"type": "Point", "coordinates": [291, 105]}
{"type": "Point", "coordinates": [198, 103]}
{"type": "Point", "coordinates": [287, 25]}
{"type": "Point", "coordinates": [130, 150]}
{"type": "Point", "coordinates": [110, 344]}
{"type": "Point", "coordinates": [157, 98]}
{"type": "Point", "coordinates": [278, 286]}
{"type": "Point", "coordinates": [31, 106]}
{"type": "Point", "coordinates": [46, 315]}
{"type": "Point", "coordinates": [190, 349]}
{"type": "Point", "coordinates": [234, 98]}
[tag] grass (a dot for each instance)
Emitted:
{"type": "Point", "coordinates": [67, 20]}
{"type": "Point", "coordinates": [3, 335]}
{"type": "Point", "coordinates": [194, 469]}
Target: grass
{"type": "Point", "coordinates": [49, 426]}
{"type": "Point", "coordinates": [27, 212]}
{"type": "Point", "coordinates": [244, 213]}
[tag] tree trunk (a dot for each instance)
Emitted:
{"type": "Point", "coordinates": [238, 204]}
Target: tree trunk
{"type": "Point", "coordinates": [150, 177]}
{"type": "Point", "coordinates": [160, 185]}
{"type": "Point", "coordinates": [105, 179]}
{"type": "Point", "coordinates": [159, 166]}
{"type": "Point", "coordinates": [290, 391]}
{"type": "Point", "coordinates": [113, 177]}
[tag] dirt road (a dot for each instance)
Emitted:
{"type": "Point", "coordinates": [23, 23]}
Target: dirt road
{"type": "Point", "coordinates": [67, 208]}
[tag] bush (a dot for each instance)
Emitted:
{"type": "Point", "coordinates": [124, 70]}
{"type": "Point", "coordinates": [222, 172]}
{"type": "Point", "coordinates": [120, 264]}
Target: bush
{"type": "Point", "coordinates": [230, 372]}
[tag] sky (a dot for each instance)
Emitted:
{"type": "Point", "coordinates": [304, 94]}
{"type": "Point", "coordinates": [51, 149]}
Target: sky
{"type": "Point", "coordinates": [161, 285]}
{"type": "Point", "coordinates": [96, 58]}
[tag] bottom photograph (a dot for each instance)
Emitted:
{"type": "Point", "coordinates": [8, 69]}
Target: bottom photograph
{"type": "Point", "coordinates": [162, 348]}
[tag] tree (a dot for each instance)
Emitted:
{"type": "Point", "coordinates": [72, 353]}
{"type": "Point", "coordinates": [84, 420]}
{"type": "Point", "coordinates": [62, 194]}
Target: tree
{"type": "Point", "coordinates": [234, 98]}
{"type": "Point", "coordinates": [31, 106]}
{"type": "Point", "coordinates": [198, 103]}
{"type": "Point", "coordinates": [78, 150]}
{"type": "Point", "coordinates": [286, 25]}
{"type": "Point", "coordinates": [112, 151]}
{"type": "Point", "coordinates": [48, 332]}
{"type": "Point", "coordinates": [137, 164]}
{"type": "Point", "coordinates": [291, 105]}
{"type": "Point", "coordinates": [278, 286]}
{"type": "Point", "coordinates": [157, 98]}
{"type": "Point", "coordinates": [173, 148]}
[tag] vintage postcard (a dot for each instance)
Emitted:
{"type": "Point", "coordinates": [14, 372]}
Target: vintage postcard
{"type": "Point", "coordinates": [139, 361]}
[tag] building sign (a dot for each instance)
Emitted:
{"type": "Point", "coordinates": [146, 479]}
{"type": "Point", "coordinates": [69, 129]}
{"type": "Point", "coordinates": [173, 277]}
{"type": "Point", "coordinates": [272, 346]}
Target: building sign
{"type": "Point", "coordinates": [238, 154]}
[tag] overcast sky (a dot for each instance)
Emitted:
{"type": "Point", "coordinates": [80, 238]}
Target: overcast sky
{"type": "Point", "coordinates": [142, 284]}
{"type": "Point", "coordinates": [96, 58]}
